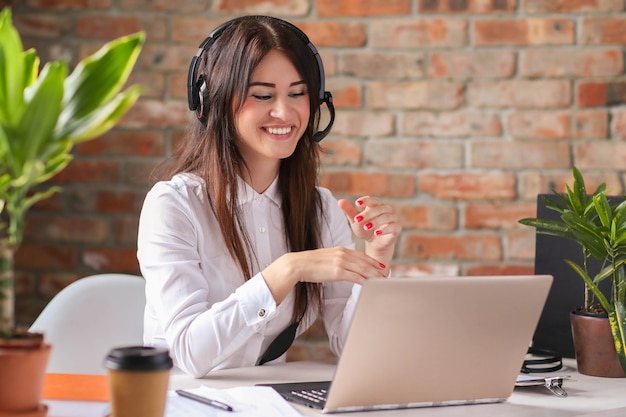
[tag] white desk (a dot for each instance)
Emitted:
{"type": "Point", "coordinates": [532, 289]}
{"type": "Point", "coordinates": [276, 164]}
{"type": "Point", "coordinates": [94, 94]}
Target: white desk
{"type": "Point", "coordinates": [587, 395]}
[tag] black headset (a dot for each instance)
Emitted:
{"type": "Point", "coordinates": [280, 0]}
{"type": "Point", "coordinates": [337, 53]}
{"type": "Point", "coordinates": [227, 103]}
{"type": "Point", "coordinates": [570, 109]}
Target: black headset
{"type": "Point", "coordinates": [196, 86]}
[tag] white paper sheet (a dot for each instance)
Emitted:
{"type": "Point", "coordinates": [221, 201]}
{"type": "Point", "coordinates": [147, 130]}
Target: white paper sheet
{"type": "Point", "coordinates": [245, 401]}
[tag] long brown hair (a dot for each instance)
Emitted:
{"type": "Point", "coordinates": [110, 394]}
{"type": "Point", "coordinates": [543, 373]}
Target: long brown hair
{"type": "Point", "coordinates": [209, 150]}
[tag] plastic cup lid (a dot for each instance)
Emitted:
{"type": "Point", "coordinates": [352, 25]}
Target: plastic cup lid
{"type": "Point", "coordinates": [138, 358]}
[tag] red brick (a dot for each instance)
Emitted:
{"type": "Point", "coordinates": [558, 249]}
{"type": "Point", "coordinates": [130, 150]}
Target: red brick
{"type": "Point", "coordinates": [572, 6]}
{"type": "Point", "coordinates": [89, 172]}
{"type": "Point", "coordinates": [358, 183]}
{"type": "Point", "coordinates": [436, 95]}
{"type": "Point", "coordinates": [51, 283]}
{"type": "Point", "coordinates": [497, 216]}
{"type": "Point", "coordinates": [427, 216]}
{"type": "Point", "coordinates": [336, 8]}
{"type": "Point", "coordinates": [418, 33]}
{"type": "Point", "coordinates": [571, 62]}
{"type": "Point", "coordinates": [24, 285]}
{"type": "Point", "coordinates": [334, 33]}
{"type": "Point", "coordinates": [418, 269]}
{"type": "Point", "coordinates": [387, 66]}
{"type": "Point", "coordinates": [524, 32]}
{"type": "Point", "coordinates": [619, 123]}
{"type": "Point", "coordinates": [140, 173]}
{"type": "Point", "coordinates": [41, 26]}
{"type": "Point", "coordinates": [472, 64]}
{"type": "Point", "coordinates": [179, 6]}
{"type": "Point", "coordinates": [506, 269]}
{"type": "Point", "coordinates": [106, 27]}
{"type": "Point", "coordinates": [157, 114]}
{"type": "Point", "coordinates": [111, 259]}
{"type": "Point", "coordinates": [178, 85]}
{"type": "Point", "coordinates": [126, 229]}
{"type": "Point", "coordinates": [272, 7]}
{"type": "Point", "coordinates": [591, 124]}
{"type": "Point", "coordinates": [346, 94]}
{"type": "Point", "coordinates": [46, 256]}
{"type": "Point", "coordinates": [161, 57]}
{"type": "Point", "coordinates": [69, 4]}
{"type": "Point", "coordinates": [192, 29]}
{"type": "Point", "coordinates": [603, 30]}
{"type": "Point", "coordinates": [540, 124]}
{"type": "Point", "coordinates": [599, 155]}
{"type": "Point", "coordinates": [461, 247]}
{"type": "Point", "coordinates": [415, 154]}
{"type": "Point", "coordinates": [75, 229]}
{"type": "Point", "coordinates": [153, 83]}
{"type": "Point", "coordinates": [520, 244]}
{"type": "Point", "coordinates": [341, 152]}
{"type": "Point", "coordinates": [457, 124]}
{"type": "Point", "coordinates": [491, 154]}
{"type": "Point", "coordinates": [468, 186]}
{"type": "Point", "coordinates": [120, 142]}
{"type": "Point", "coordinates": [590, 94]}
{"type": "Point", "coordinates": [539, 182]}
{"type": "Point", "coordinates": [601, 93]}
{"type": "Point", "coordinates": [115, 202]}
{"type": "Point", "coordinates": [467, 6]}
{"type": "Point", "coordinates": [364, 123]}
{"type": "Point", "coordinates": [519, 93]}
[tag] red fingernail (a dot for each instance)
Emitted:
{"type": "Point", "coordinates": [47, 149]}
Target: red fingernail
{"type": "Point", "coordinates": [359, 202]}
{"type": "Point", "coordinates": [358, 218]}
{"type": "Point", "coordinates": [378, 232]}
{"type": "Point", "coordinates": [368, 226]}
{"type": "Point", "coordinates": [382, 265]}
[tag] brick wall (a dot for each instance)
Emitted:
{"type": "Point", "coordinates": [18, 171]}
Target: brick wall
{"type": "Point", "coordinates": [458, 112]}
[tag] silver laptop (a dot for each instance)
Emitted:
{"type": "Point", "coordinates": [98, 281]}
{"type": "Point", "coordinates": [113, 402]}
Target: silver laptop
{"type": "Point", "coordinates": [423, 342]}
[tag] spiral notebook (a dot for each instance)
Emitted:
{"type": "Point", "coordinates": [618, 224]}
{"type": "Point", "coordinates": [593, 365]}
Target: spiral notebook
{"type": "Point", "coordinates": [422, 342]}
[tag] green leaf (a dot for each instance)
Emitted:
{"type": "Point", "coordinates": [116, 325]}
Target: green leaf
{"type": "Point", "coordinates": [580, 191]}
{"type": "Point", "coordinates": [99, 77]}
{"type": "Point", "coordinates": [12, 70]}
{"type": "Point", "coordinates": [601, 204]}
{"type": "Point", "coordinates": [42, 110]}
{"type": "Point", "coordinates": [100, 120]}
{"type": "Point", "coordinates": [617, 320]}
{"type": "Point", "coordinates": [590, 284]}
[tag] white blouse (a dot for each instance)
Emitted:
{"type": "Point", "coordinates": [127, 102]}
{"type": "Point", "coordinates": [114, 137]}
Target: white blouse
{"type": "Point", "coordinates": [198, 304]}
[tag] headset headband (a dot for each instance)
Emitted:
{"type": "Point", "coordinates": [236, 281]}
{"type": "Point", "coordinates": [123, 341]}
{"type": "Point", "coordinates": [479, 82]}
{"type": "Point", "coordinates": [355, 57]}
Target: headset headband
{"type": "Point", "coordinates": [196, 83]}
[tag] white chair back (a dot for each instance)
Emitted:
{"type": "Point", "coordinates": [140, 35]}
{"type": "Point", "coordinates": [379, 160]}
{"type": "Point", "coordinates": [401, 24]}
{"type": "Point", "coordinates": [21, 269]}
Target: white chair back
{"type": "Point", "coordinates": [89, 317]}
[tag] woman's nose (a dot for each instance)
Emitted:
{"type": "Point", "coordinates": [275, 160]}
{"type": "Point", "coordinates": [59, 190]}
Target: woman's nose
{"type": "Point", "coordinates": [280, 108]}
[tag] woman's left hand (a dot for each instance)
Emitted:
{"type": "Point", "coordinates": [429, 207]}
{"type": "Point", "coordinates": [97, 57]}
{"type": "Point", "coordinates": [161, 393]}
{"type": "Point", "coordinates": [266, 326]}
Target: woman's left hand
{"type": "Point", "coordinates": [375, 223]}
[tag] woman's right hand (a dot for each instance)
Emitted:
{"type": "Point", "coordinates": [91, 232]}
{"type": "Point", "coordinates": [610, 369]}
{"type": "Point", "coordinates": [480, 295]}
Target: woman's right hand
{"type": "Point", "coordinates": [320, 265]}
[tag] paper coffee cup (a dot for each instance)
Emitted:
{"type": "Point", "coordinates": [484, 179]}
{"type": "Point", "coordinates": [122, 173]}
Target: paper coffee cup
{"type": "Point", "coordinates": [138, 380]}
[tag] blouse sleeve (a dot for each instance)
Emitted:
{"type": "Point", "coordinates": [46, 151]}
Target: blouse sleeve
{"type": "Point", "coordinates": [202, 334]}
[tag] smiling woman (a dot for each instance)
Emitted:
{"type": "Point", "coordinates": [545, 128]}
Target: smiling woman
{"type": "Point", "coordinates": [272, 119]}
{"type": "Point", "coordinates": [240, 249]}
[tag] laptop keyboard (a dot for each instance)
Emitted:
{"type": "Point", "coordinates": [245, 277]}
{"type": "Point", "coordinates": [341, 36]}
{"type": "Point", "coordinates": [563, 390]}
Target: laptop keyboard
{"type": "Point", "coordinates": [317, 396]}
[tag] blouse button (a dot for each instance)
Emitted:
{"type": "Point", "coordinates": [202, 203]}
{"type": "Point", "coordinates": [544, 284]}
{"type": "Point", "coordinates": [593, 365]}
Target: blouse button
{"type": "Point", "coordinates": [262, 312]}
{"type": "Point", "coordinates": [262, 229]}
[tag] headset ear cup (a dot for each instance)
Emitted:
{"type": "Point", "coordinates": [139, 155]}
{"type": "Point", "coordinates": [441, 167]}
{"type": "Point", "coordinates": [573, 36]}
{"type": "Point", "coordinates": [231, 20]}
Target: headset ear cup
{"type": "Point", "coordinates": [202, 108]}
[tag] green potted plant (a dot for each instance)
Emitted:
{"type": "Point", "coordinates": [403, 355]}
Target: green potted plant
{"type": "Point", "coordinates": [600, 229]}
{"type": "Point", "coordinates": [43, 114]}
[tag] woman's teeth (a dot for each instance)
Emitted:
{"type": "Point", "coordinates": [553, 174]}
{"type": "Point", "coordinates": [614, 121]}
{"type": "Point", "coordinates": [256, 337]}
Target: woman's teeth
{"type": "Point", "coordinates": [279, 130]}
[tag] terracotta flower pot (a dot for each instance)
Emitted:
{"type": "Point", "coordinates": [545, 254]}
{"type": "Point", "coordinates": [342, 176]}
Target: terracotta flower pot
{"type": "Point", "coordinates": [22, 374]}
{"type": "Point", "coordinates": [594, 346]}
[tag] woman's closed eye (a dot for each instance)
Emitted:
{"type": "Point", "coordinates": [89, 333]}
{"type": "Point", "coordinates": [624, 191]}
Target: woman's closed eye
{"type": "Point", "coordinates": [264, 97]}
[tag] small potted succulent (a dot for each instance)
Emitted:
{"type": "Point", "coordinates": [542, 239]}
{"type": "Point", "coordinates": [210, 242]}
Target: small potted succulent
{"type": "Point", "coordinates": [43, 114]}
{"type": "Point", "coordinates": [599, 228]}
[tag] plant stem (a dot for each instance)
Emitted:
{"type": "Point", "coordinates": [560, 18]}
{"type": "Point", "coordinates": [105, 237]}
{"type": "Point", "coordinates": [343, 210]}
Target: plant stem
{"type": "Point", "coordinates": [7, 298]}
